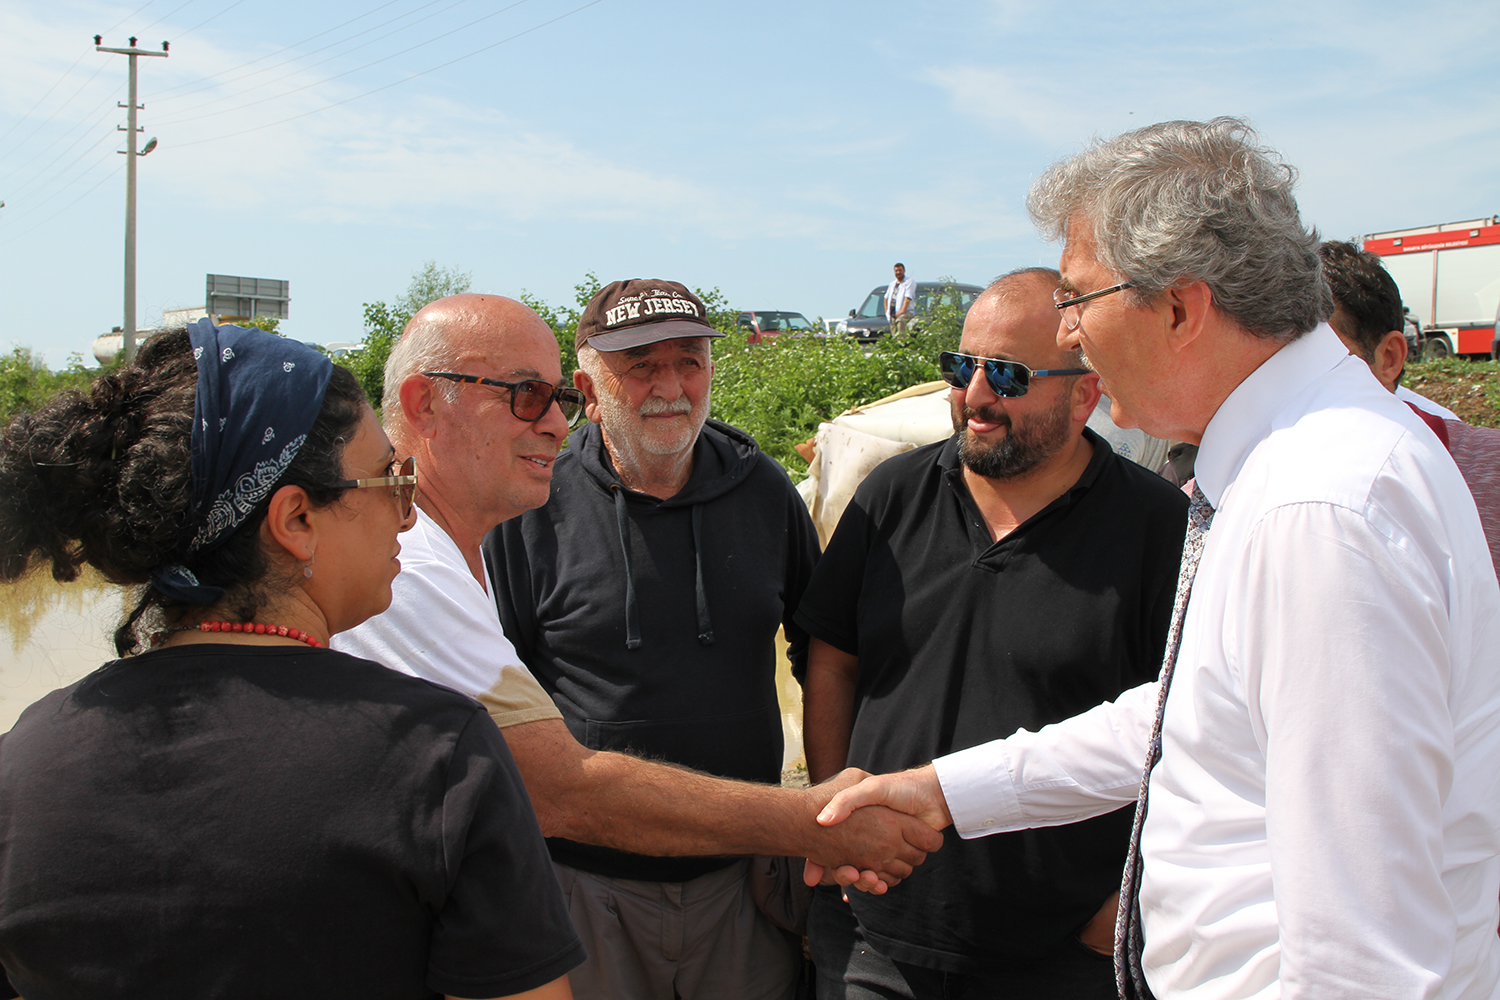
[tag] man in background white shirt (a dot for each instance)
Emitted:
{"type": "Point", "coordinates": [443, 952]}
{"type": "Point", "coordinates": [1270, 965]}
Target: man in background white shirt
{"type": "Point", "coordinates": [900, 300]}
{"type": "Point", "coordinates": [1325, 817]}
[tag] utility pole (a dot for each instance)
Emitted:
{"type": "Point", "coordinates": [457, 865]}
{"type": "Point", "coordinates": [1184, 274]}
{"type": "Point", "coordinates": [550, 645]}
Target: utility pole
{"type": "Point", "coordinates": [130, 154]}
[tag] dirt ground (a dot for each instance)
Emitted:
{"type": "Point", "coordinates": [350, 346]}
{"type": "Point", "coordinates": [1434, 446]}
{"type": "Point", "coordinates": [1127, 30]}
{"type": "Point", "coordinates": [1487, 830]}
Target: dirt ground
{"type": "Point", "coordinates": [1470, 389]}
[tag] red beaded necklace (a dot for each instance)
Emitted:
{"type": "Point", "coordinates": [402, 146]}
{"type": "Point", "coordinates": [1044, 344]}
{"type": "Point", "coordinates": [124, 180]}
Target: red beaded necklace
{"type": "Point", "coordinates": [259, 629]}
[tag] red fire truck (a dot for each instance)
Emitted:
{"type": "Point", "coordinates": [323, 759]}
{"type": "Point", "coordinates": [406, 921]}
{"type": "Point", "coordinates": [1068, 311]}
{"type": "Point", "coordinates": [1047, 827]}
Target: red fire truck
{"type": "Point", "coordinates": [1449, 276]}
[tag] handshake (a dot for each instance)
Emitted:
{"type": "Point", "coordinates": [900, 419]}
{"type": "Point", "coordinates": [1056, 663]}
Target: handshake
{"type": "Point", "coordinates": [874, 830]}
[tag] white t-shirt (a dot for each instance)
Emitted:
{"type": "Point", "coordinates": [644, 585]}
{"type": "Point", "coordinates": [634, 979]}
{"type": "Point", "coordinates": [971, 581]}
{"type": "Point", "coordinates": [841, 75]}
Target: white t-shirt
{"type": "Point", "coordinates": [899, 292]}
{"type": "Point", "coordinates": [1325, 819]}
{"type": "Point", "coordinates": [442, 626]}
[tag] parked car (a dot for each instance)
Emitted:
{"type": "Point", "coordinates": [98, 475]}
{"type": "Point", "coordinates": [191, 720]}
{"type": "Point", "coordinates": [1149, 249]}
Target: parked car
{"type": "Point", "coordinates": [769, 323]}
{"type": "Point", "coordinates": [869, 322]}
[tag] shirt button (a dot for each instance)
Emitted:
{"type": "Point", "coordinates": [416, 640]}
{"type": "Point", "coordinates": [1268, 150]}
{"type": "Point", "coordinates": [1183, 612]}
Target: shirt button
{"type": "Point", "coordinates": [988, 822]}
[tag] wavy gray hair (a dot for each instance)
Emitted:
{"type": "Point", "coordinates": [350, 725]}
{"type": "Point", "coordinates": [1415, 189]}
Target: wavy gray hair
{"type": "Point", "coordinates": [1197, 200]}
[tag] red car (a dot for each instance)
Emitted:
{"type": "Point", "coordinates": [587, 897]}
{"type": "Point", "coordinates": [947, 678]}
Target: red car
{"type": "Point", "coordinates": [770, 324]}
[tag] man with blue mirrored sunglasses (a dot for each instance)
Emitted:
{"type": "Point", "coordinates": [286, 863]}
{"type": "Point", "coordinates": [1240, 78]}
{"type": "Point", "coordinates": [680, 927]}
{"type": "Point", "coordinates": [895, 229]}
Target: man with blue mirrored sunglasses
{"type": "Point", "coordinates": [1008, 577]}
{"type": "Point", "coordinates": [1007, 379]}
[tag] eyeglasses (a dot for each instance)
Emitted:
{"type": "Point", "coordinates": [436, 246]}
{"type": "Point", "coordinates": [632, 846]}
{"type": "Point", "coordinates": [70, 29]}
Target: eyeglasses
{"type": "Point", "coordinates": [1072, 309]}
{"type": "Point", "coordinates": [402, 475]}
{"type": "Point", "coordinates": [529, 398]}
{"type": "Point", "coordinates": [1008, 379]}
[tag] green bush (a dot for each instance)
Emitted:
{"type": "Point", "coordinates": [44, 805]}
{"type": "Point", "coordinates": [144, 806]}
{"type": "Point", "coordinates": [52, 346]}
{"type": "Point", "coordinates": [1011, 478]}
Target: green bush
{"type": "Point", "coordinates": [26, 384]}
{"type": "Point", "coordinates": [779, 390]}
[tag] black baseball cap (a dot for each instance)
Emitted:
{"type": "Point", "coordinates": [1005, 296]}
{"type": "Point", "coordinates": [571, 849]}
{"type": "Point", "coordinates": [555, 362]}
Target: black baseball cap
{"type": "Point", "coordinates": [641, 311]}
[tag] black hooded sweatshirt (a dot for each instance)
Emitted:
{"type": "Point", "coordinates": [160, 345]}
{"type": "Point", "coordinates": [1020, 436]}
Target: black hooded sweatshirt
{"type": "Point", "coordinates": [652, 623]}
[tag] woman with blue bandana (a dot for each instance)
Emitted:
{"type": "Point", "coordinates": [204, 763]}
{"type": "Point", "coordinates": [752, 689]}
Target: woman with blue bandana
{"type": "Point", "coordinates": [231, 809]}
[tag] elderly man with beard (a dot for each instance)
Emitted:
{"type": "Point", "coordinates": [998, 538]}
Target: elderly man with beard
{"type": "Point", "coordinates": [645, 596]}
{"type": "Point", "coordinates": [1012, 576]}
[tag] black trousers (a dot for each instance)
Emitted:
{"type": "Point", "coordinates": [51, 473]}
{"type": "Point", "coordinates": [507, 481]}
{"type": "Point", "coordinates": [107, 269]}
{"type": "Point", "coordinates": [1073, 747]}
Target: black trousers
{"type": "Point", "coordinates": [849, 968]}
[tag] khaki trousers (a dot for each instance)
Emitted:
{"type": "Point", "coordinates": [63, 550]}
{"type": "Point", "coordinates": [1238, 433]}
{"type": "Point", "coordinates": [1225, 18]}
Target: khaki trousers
{"type": "Point", "coordinates": [698, 940]}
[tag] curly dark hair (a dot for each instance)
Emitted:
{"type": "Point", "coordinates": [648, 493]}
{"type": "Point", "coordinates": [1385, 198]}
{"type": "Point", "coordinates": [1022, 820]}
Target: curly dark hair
{"type": "Point", "coordinates": [105, 478]}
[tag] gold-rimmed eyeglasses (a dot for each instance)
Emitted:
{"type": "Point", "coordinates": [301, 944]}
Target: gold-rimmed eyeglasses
{"type": "Point", "coordinates": [402, 475]}
{"type": "Point", "coordinates": [1072, 308]}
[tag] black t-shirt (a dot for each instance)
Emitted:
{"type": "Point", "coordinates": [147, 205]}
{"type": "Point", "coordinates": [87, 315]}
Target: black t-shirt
{"type": "Point", "coordinates": [252, 821]}
{"type": "Point", "coordinates": [962, 640]}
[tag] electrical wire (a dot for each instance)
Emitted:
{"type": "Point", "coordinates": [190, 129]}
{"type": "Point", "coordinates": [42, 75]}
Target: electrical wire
{"type": "Point", "coordinates": [47, 170]}
{"type": "Point", "coordinates": [38, 205]}
{"type": "Point", "coordinates": [129, 16]}
{"type": "Point", "coordinates": [304, 69]}
{"type": "Point", "coordinates": [21, 144]}
{"type": "Point", "coordinates": [347, 72]}
{"type": "Point", "coordinates": [89, 122]}
{"type": "Point", "coordinates": [226, 10]}
{"type": "Point", "coordinates": [17, 123]}
{"type": "Point", "coordinates": [168, 14]}
{"type": "Point", "coordinates": [394, 83]}
{"type": "Point", "coordinates": [210, 81]}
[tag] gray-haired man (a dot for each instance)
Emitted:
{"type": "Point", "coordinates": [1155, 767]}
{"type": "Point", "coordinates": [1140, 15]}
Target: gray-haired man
{"type": "Point", "coordinates": [1323, 816]}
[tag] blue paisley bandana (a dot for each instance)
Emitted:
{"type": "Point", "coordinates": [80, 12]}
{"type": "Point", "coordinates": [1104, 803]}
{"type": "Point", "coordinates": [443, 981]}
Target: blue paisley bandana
{"type": "Point", "coordinates": [258, 396]}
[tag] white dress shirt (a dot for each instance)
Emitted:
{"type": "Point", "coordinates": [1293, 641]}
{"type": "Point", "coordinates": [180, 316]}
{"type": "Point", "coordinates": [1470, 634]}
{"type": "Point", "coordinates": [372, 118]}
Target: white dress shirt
{"type": "Point", "coordinates": [1325, 819]}
{"type": "Point", "coordinates": [898, 294]}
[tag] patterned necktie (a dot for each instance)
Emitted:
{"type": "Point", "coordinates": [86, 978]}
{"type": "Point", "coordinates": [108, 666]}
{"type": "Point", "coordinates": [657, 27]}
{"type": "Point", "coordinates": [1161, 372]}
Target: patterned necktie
{"type": "Point", "coordinates": [1128, 940]}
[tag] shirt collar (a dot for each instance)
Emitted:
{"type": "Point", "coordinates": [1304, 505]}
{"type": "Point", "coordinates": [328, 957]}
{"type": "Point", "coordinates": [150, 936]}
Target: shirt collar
{"type": "Point", "coordinates": [1245, 417]}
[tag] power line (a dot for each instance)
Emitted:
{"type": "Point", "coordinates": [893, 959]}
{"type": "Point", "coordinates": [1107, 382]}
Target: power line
{"type": "Point", "coordinates": [407, 79]}
{"type": "Point", "coordinates": [129, 16]}
{"type": "Point", "coordinates": [212, 80]}
{"type": "Point", "coordinates": [70, 204]}
{"type": "Point", "coordinates": [42, 124]}
{"type": "Point", "coordinates": [87, 116]}
{"type": "Point", "coordinates": [347, 72]}
{"type": "Point", "coordinates": [43, 171]}
{"type": "Point", "coordinates": [233, 96]}
{"type": "Point", "coordinates": [226, 10]}
{"type": "Point", "coordinates": [39, 100]}
{"type": "Point", "coordinates": [168, 14]}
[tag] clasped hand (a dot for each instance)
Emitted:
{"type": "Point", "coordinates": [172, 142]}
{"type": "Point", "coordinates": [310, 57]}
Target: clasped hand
{"type": "Point", "coordinates": [881, 826]}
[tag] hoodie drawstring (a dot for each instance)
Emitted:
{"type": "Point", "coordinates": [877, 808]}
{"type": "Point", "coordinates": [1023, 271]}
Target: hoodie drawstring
{"type": "Point", "coordinates": [705, 623]}
{"type": "Point", "coordinates": [632, 613]}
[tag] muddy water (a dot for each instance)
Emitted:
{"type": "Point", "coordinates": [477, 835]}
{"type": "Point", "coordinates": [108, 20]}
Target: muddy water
{"type": "Point", "coordinates": [51, 634]}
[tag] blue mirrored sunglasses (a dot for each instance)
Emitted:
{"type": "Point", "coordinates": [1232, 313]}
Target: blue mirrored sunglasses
{"type": "Point", "coordinates": [1008, 379]}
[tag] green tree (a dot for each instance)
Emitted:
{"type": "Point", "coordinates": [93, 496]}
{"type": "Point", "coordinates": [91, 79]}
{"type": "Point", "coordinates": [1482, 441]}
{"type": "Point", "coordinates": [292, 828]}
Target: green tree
{"type": "Point", "coordinates": [385, 323]}
{"type": "Point", "coordinates": [270, 324]}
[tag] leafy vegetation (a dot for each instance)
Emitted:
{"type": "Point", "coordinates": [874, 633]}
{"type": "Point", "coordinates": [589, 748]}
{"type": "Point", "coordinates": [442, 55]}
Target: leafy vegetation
{"type": "Point", "coordinates": [384, 323]}
{"type": "Point", "coordinates": [26, 383]}
{"type": "Point", "coordinates": [1470, 389]}
{"type": "Point", "coordinates": [778, 391]}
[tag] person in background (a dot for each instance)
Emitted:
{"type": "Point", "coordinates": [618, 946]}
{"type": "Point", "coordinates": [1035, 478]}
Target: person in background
{"type": "Point", "coordinates": [900, 300]}
{"type": "Point", "coordinates": [231, 808]}
{"type": "Point", "coordinates": [1317, 773]}
{"type": "Point", "coordinates": [646, 596]}
{"type": "Point", "coordinates": [1014, 575]}
{"type": "Point", "coordinates": [1365, 299]}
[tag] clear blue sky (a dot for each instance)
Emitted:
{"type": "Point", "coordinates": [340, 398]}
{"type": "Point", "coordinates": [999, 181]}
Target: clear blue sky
{"type": "Point", "coordinates": [786, 153]}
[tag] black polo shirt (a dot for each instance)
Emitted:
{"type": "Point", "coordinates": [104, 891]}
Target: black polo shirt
{"type": "Point", "coordinates": [962, 640]}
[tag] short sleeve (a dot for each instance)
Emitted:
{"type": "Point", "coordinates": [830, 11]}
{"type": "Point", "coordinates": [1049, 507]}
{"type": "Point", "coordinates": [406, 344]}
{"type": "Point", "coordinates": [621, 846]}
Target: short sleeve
{"type": "Point", "coordinates": [504, 926]}
{"type": "Point", "coordinates": [443, 627]}
{"type": "Point", "coordinates": [830, 607]}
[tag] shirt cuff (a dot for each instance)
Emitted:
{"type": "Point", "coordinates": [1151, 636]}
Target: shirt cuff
{"type": "Point", "coordinates": [977, 786]}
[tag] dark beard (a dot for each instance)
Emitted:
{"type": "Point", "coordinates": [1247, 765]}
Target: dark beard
{"type": "Point", "coordinates": [1021, 450]}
